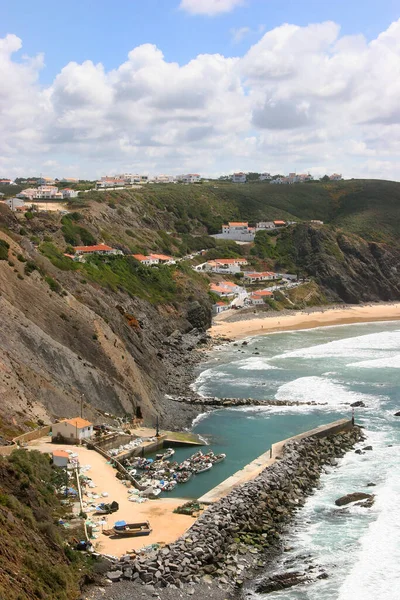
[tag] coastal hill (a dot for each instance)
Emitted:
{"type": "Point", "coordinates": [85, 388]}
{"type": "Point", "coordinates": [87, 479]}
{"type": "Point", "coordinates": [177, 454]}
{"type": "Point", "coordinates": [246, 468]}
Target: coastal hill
{"type": "Point", "coordinates": [114, 336]}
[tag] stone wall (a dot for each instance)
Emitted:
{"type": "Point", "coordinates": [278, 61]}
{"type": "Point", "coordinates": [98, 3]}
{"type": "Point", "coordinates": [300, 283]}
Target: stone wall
{"type": "Point", "coordinates": [252, 517]}
{"type": "Point", "coordinates": [24, 438]}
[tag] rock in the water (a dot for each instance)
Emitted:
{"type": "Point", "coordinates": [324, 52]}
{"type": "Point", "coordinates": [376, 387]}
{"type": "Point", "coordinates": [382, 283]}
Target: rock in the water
{"type": "Point", "coordinates": [371, 484]}
{"type": "Point", "coordinates": [367, 448]}
{"type": "Point", "coordinates": [397, 414]}
{"type": "Point", "coordinates": [354, 497]}
{"type": "Point", "coordinates": [281, 582]}
{"type": "Point", "coordinates": [358, 404]}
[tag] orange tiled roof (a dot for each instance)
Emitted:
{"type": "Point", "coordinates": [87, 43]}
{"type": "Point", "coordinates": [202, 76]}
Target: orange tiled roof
{"type": "Point", "coordinates": [140, 257]}
{"type": "Point", "coordinates": [61, 453]}
{"type": "Point", "coordinates": [78, 422]}
{"type": "Point", "coordinates": [97, 248]}
{"type": "Point", "coordinates": [233, 223]}
{"type": "Point", "coordinates": [161, 256]}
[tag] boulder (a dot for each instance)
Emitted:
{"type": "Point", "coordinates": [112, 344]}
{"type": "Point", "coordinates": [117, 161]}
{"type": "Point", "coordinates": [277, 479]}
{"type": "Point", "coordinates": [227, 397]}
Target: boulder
{"type": "Point", "coordinates": [354, 497]}
{"type": "Point", "coordinates": [397, 414]}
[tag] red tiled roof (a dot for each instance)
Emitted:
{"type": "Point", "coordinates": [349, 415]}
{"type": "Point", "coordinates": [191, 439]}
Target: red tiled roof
{"type": "Point", "coordinates": [97, 248]}
{"type": "Point", "coordinates": [61, 453]}
{"type": "Point", "coordinates": [161, 256]}
{"type": "Point", "coordinates": [77, 422]}
{"type": "Point", "coordinates": [279, 222]}
{"type": "Point", "coordinates": [233, 223]}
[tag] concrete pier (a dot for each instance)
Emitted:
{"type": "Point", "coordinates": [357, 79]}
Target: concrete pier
{"type": "Point", "coordinates": [267, 459]}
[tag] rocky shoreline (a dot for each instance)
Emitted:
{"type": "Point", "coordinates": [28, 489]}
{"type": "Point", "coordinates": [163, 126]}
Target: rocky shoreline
{"type": "Point", "coordinates": [235, 536]}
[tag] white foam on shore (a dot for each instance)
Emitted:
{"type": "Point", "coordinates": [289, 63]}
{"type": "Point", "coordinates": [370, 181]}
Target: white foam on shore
{"type": "Point", "coordinates": [392, 362]}
{"type": "Point", "coordinates": [257, 363]}
{"type": "Point", "coordinates": [319, 389]}
{"type": "Point", "coordinates": [368, 347]}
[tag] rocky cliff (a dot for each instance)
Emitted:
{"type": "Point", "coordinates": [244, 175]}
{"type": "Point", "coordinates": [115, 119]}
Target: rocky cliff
{"type": "Point", "coordinates": [348, 268]}
{"type": "Point", "coordinates": [65, 341]}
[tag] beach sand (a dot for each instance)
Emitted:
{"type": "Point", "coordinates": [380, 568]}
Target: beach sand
{"type": "Point", "coordinates": [167, 526]}
{"type": "Point", "coordinates": [261, 323]}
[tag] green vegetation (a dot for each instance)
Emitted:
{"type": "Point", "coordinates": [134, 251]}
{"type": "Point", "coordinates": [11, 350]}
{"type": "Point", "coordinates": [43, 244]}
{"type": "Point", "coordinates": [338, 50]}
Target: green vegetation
{"type": "Point", "coordinates": [53, 284]}
{"type": "Point", "coordinates": [4, 247]}
{"type": "Point", "coordinates": [74, 234]}
{"type": "Point", "coordinates": [57, 257]}
{"type": "Point", "coordinates": [35, 563]}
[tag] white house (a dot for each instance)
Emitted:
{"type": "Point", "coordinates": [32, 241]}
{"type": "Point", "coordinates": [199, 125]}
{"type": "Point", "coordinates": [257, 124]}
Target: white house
{"type": "Point", "coordinates": [48, 192]}
{"type": "Point", "coordinates": [256, 277]}
{"type": "Point", "coordinates": [60, 458]}
{"type": "Point", "coordinates": [239, 178]}
{"type": "Point", "coordinates": [164, 179]}
{"type": "Point", "coordinates": [68, 193]}
{"type": "Point", "coordinates": [265, 225]}
{"type": "Point", "coordinates": [336, 177]}
{"type": "Point", "coordinates": [72, 430]}
{"type": "Point", "coordinates": [189, 178]}
{"type": "Point", "coordinates": [257, 298]}
{"type": "Point", "coordinates": [148, 261]}
{"type": "Point", "coordinates": [265, 177]}
{"type": "Point", "coordinates": [46, 181]}
{"type": "Point", "coordinates": [5, 182]}
{"type": "Point", "coordinates": [220, 307]}
{"type": "Point", "coordinates": [102, 249]}
{"type": "Point", "coordinates": [225, 289]}
{"type": "Point", "coordinates": [15, 203]}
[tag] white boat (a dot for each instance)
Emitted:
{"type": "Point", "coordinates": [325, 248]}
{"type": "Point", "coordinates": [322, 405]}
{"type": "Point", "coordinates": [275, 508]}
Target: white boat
{"type": "Point", "coordinates": [203, 468]}
{"type": "Point", "coordinates": [151, 493]}
{"type": "Point", "coordinates": [219, 458]}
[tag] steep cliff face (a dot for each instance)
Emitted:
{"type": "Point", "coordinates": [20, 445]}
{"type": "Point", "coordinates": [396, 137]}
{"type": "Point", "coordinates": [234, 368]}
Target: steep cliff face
{"type": "Point", "coordinates": [346, 266]}
{"type": "Point", "coordinates": [83, 343]}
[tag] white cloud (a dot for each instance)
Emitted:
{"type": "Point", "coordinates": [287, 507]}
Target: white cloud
{"type": "Point", "coordinates": [209, 7]}
{"type": "Point", "coordinates": [302, 98]}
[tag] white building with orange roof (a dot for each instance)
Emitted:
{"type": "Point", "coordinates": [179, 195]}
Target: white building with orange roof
{"type": "Point", "coordinates": [72, 430]}
{"type": "Point", "coordinates": [147, 261]}
{"type": "Point", "coordinates": [60, 458]}
{"type": "Point", "coordinates": [163, 259]}
{"type": "Point", "coordinates": [102, 249]}
{"type": "Point", "coordinates": [260, 276]}
{"type": "Point", "coordinates": [239, 177]}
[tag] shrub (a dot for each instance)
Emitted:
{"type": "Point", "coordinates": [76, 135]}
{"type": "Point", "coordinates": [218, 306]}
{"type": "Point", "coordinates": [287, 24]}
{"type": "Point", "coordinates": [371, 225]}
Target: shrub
{"type": "Point", "coordinates": [53, 284]}
{"type": "Point", "coordinates": [21, 258]}
{"type": "Point", "coordinates": [4, 247]}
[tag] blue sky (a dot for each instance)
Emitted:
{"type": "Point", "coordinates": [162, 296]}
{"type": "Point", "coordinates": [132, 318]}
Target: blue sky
{"type": "Point", "coordinates": [93, 86]}
{"type": "Point", "coordinates": [105, 31]}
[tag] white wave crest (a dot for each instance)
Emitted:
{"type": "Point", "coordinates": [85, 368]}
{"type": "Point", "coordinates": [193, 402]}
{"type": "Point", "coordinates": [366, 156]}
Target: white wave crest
{"type": "Point", "coordinates": [379, 363]}
{"type": "Point", "coordinates": [255, 363]}
{"type": "Point", "coordinates": [319, 389]}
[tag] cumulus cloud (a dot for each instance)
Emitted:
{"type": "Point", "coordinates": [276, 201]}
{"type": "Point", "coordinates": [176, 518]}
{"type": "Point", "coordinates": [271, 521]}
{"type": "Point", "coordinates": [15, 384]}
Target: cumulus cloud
{"type": "Point", "coordinates": [301, 97]}
{"type": "Point", "coordinates": [209, 7]}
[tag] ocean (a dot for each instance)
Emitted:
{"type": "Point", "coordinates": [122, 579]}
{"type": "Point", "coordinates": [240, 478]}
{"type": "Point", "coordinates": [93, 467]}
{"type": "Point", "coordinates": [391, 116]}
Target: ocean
{"type": "Point", "coordinates": [358, 548]}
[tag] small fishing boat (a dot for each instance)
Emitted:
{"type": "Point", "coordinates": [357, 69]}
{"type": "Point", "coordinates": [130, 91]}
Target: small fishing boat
{"type": "Point", "coordinates": [124, 529]}
{"type": "Point", "coordinates": [203, 468]}
{"type": "Point", "coordinates": [106, 509]}
{"type": "Point", "coordinates": [165, 455]}
{"type": "Point", "coordinates": [219, 458]}
{"type": "Point", "coordinates": [151, 493]}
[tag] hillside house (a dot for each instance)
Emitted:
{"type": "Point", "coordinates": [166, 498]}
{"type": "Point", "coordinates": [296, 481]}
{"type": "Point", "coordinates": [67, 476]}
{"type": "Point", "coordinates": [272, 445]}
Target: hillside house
{"type": "Point", "coordinates": [147, 261]}
{"type": "Point", "coordinates": [258, 298]}
{"type": "Point", "coordinates": [278, 224]}
{"type": "Point", "coordinates": [15, 203]}
{"type": "Point", "coordinates": [220, 307]}
{"type": "Point", "coordinates": [69, 193]}
{"type": "Point", "coordinates": [163, 259]}
{"type": "Point", "coordinates": [225, 289]}
{"type": "Point", "coordinates": [101, 249]}
{"type": "Point", "coordinates": [46, 192]}
{"type": "Point", "coordinates": [257, 277]}
{"type": "Point", "coordinates": [72, 430]}
{"type": "Point", "coordinates": [262, 225]}
{"type": "Point", "coordinates": [46, 181]}
{"type": "Point", "coordinates": [239, 178]}
{"type": "Point", "coordinates": [189, 178]}
{"type": "Point", "coordinates": [336, 177]}
{"type": "Point", "coordinates": [5, 182]}
{"type": "Point", "coordinates": [60, 458]}
{"type": "Point", "coordinates": [265, 177]}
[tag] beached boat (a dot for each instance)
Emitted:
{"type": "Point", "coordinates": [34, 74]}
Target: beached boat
{"type": "Point", "coordinates": [203, 468]}
{"type": "Point", "coordinates": [151, 493]}
{"type": "Point", "coordinates": [124, 529]}
{"type": "Point", "coordinates": [106, 508]}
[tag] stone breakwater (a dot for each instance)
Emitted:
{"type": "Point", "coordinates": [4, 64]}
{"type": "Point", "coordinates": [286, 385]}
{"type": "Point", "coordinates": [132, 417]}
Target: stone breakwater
{"type": "Point", "coordinates": [214, 402]}
{"type": "Point", "coordinates": [231, 536]}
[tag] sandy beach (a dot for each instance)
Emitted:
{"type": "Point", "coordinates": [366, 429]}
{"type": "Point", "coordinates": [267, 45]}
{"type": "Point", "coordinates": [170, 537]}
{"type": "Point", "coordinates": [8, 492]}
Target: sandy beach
{"type": "Point", "coordinates": [257, 324]}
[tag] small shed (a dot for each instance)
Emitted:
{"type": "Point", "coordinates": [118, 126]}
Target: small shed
{"type": "Point", "coordinates": [60, 458]}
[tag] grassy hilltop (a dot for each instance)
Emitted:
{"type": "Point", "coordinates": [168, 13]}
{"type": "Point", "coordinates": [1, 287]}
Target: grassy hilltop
{"type": "Point", "coordinates": [369, 208]}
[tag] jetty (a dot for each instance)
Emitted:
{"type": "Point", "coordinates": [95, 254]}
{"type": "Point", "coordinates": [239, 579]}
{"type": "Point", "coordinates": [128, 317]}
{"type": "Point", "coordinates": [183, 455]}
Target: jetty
{"type": "Point", "coordinates": [251, 470]}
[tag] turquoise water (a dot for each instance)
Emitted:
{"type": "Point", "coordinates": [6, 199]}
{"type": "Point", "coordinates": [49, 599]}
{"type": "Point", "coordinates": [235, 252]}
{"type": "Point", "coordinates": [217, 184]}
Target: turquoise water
{"type": "Point", "coordinates": [360, 549]}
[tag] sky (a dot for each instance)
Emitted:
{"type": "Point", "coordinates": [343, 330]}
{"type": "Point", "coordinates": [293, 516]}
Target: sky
{"type": "Point", "coordinates": [94, 87]}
